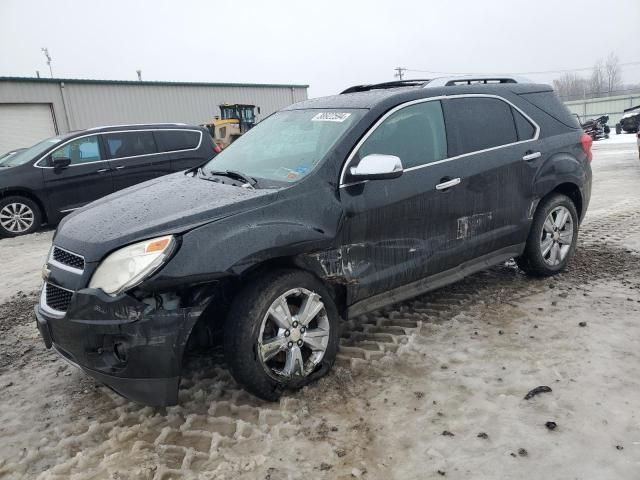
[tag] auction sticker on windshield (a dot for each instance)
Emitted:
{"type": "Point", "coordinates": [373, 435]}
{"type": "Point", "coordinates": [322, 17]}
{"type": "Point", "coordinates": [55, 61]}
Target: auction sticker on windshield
{"type": "Point", "coordinates": [331, 117]}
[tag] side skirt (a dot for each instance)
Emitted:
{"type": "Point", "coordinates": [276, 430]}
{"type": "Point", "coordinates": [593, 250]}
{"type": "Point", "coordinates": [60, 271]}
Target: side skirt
{"type": "Point", "coordinates": [434, 282]}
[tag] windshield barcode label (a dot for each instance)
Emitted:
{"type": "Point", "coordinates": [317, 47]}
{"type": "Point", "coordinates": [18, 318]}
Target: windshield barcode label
{"type": "Point", "coordinates": [331, 117]}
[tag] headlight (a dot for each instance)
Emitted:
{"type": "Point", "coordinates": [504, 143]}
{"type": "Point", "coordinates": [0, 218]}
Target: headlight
{"type": "Point", "coordinates": [127, 267]}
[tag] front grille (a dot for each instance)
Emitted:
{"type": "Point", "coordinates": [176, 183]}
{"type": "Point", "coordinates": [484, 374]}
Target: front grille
{"type": "Point", "coordinates": [58, 298]}
{"type": "Point", "coordinates": [67, 258]}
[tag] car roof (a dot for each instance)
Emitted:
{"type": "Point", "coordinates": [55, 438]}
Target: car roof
{"type": "Point", "coordinates": [140, 126]}
{"type": "Point", "coordinates": [377, 97]}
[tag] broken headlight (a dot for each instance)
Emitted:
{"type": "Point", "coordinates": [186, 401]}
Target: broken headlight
{"type": "Point", "coordinates": [127, 267]}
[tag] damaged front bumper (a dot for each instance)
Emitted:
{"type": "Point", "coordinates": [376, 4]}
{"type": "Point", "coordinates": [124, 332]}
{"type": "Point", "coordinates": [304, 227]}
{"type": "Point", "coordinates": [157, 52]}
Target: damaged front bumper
{"type": "Point", "coordinates": [132, 347]}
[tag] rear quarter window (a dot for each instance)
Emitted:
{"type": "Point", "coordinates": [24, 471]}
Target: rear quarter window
{"type": "Point", "coordinates": [172, 140]}
{"type": "Point", "coordinates": [526, 131]}
{"type": "Point", "coordinates": [479, 123]}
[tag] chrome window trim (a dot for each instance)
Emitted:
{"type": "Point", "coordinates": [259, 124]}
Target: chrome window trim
{"type": "Point", "coordinates": [94, 133]}
{"type": "Point", "coordinates": [448, 159]}
{"type": "Point", "coordinates": [68, 268]}
{"type": "Point", "coordinates": [158, 130]}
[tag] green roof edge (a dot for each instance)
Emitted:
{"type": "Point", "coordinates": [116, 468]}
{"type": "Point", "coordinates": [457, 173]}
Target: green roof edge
{"type": "Point", "coordinates": [146, 82]}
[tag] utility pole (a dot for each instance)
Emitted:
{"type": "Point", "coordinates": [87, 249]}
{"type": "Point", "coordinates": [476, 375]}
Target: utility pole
{"type": "Point", "coordinates": [45, 50]}
{"type": "Point", "coordinates": [400, 74]}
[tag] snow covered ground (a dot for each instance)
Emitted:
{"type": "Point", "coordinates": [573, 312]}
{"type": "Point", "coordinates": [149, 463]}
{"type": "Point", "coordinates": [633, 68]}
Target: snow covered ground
{"type": "Point", "coordinates": [621, 138]}
{"type": "Point", "coordinates": [431, 388]}
{"type": "Point", "coordinates": [20, 257]}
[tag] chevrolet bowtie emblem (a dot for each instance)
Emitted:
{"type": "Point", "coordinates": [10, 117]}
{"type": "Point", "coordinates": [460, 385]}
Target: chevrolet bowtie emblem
{"type": "Point", "coordinates": [45, 272]}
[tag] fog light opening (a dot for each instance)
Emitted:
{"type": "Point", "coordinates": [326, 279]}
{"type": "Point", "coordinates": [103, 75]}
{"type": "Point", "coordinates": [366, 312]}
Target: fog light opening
{"type": "Point", "coordinates": [120, 351]}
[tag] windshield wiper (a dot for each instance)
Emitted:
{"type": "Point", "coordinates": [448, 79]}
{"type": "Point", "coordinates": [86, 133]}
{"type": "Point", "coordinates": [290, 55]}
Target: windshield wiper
{"type": "Point", "coordinates": [235, 175]}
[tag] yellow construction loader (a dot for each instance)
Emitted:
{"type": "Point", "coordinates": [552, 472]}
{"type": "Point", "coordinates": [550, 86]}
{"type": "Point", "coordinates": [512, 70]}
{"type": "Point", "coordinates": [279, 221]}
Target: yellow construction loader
{"type": "Point", "coordinates": [234, 120]}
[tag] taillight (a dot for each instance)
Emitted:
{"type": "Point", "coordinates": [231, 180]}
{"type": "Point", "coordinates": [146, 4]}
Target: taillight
{"type": "Point", "coordinates": [587, 141]}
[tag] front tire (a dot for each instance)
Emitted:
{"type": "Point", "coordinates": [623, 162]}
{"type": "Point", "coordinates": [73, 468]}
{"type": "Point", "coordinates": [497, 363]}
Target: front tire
{"type": "Point", "coordinates": [281, 333]}
{"type": "Point", "coordinates": [553, 237]}
{"type": "Point", "coordinates": [18, 216]}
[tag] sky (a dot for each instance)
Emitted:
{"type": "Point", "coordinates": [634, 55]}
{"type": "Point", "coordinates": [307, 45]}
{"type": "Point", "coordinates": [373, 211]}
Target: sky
{"type": "Point", "coordinates": [326, 44]}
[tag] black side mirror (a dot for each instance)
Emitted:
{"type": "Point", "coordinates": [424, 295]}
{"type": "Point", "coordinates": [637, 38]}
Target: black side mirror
{"type": "Point", "coordinates": [60, 163]}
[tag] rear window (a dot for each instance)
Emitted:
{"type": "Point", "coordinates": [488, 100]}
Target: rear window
{"type": "Point", "coordinates": [526, 130]}
{"type": "Point", "coordinates": [172, 140]}
{"type": "Point", "coordinates": [130, 144]}
{"type": "Point", "coordinates": [482, 123]}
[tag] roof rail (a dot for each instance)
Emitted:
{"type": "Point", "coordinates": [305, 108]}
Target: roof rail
{"type": "Point", "coordinates": [473, 79]}
{"type": "Point", "coordinates": [139, 125]}
{"type": "Point", "coordinates": [440, 82]}
{"type": "Point", "coordinates": [381, 86]}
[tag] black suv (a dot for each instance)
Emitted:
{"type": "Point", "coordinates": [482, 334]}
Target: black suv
{"type": "Point", "coordinates": [58, 175]}
{"type": "Point", "coordinates": [327, 209]}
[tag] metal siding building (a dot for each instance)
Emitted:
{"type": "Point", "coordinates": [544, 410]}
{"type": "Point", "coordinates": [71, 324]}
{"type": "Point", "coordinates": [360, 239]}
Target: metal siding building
{"type": "Point", "coordinates": [595, 107]}
{"type": "Point", "coordinates": [29, 105]}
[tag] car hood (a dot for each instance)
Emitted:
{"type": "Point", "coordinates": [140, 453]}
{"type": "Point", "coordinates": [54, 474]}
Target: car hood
{"type": "Point", "coordinates": [172, 204]}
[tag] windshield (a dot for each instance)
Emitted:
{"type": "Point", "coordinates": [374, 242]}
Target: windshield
{"type": "Point", "coordinates": [5, 156]}
{"type": "Point", "coordinates": [287, 146]}
{"type": "Point", "coordinates": [30, 153]}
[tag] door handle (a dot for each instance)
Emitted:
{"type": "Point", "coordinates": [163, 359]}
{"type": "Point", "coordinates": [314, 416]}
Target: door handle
{"type": "Point", "coordinates": [447, 183]}
{"type": "Point", "coordinates": [531, 156]}
{"type": "Point", "coordinates": [102, 170]}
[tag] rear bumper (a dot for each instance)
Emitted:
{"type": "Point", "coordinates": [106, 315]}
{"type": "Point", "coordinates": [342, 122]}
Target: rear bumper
{"type": "Point", "coordinates": [117, 341]}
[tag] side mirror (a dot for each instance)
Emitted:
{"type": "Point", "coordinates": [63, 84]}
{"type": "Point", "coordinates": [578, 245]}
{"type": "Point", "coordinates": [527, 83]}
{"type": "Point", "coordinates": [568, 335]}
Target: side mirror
{"type": "Point", "coordinates": [60, 162]}
{"type": "Point", "coordinates": [377, 167]}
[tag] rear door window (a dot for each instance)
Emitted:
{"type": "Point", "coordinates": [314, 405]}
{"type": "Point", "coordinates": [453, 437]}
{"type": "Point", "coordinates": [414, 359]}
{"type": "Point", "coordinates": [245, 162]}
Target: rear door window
{"type": "Point", "coordinates": [80, 150]}
{"type": "Point", "coordinates": [480, 123]}
{"type": "Point", "coordinates": [173, 140]}
{"type": "Point", "coordinates": [415, 134]}
{"type": "Point", "coordinates": [130, 144]}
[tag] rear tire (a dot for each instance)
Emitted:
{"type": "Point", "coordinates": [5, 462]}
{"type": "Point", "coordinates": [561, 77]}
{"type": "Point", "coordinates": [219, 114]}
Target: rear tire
{"type": "Point", "coordinates": [18, 216]}
{"type": "Point", "coordinates": [269, 350]}
{"type": "Point", "coordinates": [553, 237]}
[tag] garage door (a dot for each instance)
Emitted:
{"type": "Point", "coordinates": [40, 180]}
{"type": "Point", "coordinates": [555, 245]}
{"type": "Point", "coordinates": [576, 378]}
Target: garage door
{"type": "Point", "coordinates": [22, 125]}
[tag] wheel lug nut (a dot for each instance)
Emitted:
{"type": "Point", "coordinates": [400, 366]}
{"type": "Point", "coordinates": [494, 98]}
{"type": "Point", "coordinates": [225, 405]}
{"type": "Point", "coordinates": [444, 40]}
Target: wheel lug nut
{"type": "Point", "coordinates": [290, 344]}
{"type": "Point", "coordinates": [299, 343]}
{"type": "Point", "coordinates": [302, 329]}
{"type": "Point", "coordinates": [294, 324]}
{"type": "Point", "coordinates": [287, 333]}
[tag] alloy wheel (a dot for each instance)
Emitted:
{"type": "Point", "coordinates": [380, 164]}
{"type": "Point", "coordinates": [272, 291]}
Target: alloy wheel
{"type": "Point", "coordinates": [16, 217]}
{"type": "Point", "coordinates": [557, 236]}
{"type": "Point", "coordinates": [294, 334]}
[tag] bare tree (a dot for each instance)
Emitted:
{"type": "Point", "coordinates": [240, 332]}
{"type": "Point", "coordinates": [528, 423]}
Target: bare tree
{"type": "Point", "coordinates": [570, 86]}
{"type": "Point", "coordinates": [597, 81]}
{"type": "Point", "coordinates": [612, 71]}
{"type": "Point", "coordinates": [606, 77]}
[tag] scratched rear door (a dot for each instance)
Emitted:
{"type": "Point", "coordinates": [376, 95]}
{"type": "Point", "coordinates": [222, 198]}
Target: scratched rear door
{"type": "Point", "coordinates": [496, 181]}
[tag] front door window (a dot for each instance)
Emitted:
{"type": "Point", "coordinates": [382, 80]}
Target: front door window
{"type": "Point", "coordinates": [80, 150]}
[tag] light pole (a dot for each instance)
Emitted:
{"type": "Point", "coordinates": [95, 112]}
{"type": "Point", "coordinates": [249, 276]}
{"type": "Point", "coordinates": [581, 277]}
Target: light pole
{"type": "Point", "coordinates": [45, 50]}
